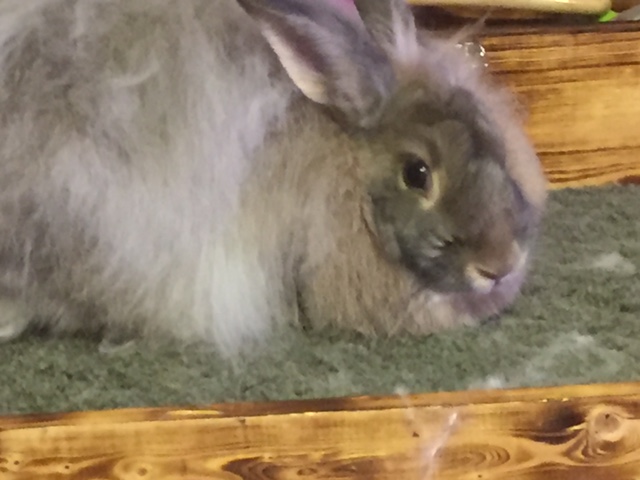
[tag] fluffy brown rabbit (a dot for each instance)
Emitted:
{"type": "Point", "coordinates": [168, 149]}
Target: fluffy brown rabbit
{"type": "Point", "coordinates": [207, 170]}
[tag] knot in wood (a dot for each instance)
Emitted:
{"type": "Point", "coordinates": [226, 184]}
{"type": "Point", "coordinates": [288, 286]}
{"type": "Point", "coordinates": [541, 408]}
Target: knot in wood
{"type": "Point", "coordinates": [606, 428]}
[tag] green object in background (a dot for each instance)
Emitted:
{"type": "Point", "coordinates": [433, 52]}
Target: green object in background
{"type": "Point", "coordinates": [607, 17]}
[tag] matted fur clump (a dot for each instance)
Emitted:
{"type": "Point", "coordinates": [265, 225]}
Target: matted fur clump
{"type": "Point", "coordinates": [209, 169]}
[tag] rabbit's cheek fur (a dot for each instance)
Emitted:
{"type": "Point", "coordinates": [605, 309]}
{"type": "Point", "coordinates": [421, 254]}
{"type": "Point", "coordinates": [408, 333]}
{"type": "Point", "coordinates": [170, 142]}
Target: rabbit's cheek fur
{"type": "Point", "coordinates": [408, 235]}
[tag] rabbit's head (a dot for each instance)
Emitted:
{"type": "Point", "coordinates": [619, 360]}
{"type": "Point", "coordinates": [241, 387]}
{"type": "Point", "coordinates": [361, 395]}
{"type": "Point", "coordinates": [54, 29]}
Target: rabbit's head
{"type": "Point", "coordinates": [454, 189]}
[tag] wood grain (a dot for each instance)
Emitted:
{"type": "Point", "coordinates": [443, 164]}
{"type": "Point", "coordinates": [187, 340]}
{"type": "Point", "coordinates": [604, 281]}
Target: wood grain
{"type": "Point", "coordinates": [570, 433]}
{"type": "Point", "coordinates": [563, 6]}
{"type": "Point", "coordinates": [620, 5]}
{"type": "Point", "coordinates": [454, 15]}
{"type": "Point", "coordinates": [581, 88]}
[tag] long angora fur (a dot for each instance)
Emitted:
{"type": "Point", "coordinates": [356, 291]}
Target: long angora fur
{"type": "Point", "coordinates": [177, 168]}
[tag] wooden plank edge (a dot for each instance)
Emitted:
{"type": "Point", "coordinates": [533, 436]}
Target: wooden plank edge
{"type": "Point", "coordinates": [568, 433]}
{"type": "Point", "coordinates": [596, 392]}
{"type": "Point", "coordinates": [585, 7]}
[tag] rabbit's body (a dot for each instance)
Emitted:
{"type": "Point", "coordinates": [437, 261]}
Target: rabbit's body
{"type": "Point", "coordinates": [162, 173]}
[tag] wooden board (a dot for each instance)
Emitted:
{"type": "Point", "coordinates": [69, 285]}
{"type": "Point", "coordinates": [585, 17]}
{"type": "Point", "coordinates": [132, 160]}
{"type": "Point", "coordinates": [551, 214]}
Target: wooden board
{"type": "Point", "coordinates": [581, 86]}
{"type": "Point", "coordinates": [569, 433]}
{"type": "Point", "coordinates": [564, 6]}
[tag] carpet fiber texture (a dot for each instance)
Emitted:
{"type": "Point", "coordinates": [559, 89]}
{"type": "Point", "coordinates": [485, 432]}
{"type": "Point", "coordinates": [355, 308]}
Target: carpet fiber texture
{"type": "Point", "coordinates": [577, 321]}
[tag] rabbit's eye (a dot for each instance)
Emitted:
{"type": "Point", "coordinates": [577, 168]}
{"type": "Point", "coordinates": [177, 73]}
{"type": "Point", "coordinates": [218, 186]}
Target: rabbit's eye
{"type": "Point", "coordinates": [416, 173]}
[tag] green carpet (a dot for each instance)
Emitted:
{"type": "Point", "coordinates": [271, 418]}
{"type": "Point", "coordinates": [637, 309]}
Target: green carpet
{"type": "Point", "coordinates": [578, 321]}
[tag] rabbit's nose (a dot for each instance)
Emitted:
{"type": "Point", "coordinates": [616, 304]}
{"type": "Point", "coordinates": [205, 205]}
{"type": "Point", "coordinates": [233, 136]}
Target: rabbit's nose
{"type": "Point", "coordinates": [488, 270]}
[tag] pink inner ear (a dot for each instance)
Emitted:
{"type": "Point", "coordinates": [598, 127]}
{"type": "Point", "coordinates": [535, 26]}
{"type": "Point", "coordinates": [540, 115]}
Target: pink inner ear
{"type": "Point", "coordinates": [348, 7]}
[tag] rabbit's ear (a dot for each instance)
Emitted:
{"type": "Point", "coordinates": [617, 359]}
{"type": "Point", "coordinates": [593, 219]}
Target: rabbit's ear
{"type": "Point", "coordinates": [328, 53]}
{"type": "Point", "coordinates": [392, 25]}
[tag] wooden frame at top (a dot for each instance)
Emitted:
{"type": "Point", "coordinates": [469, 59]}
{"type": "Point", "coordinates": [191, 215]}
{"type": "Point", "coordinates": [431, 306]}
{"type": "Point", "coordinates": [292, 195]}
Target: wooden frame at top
{"type": "Point", "coordinates": [582, 89]}
{"type": "Point", "coordinates": [592, 7]}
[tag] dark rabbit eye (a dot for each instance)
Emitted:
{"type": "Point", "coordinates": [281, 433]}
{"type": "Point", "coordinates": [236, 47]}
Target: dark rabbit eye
{"type": "Point", "coordinates": [416, 173]}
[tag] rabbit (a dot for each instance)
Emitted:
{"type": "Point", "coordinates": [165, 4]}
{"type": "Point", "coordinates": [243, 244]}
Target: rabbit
{"type": "Point", "coordinates": [212, 170]}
